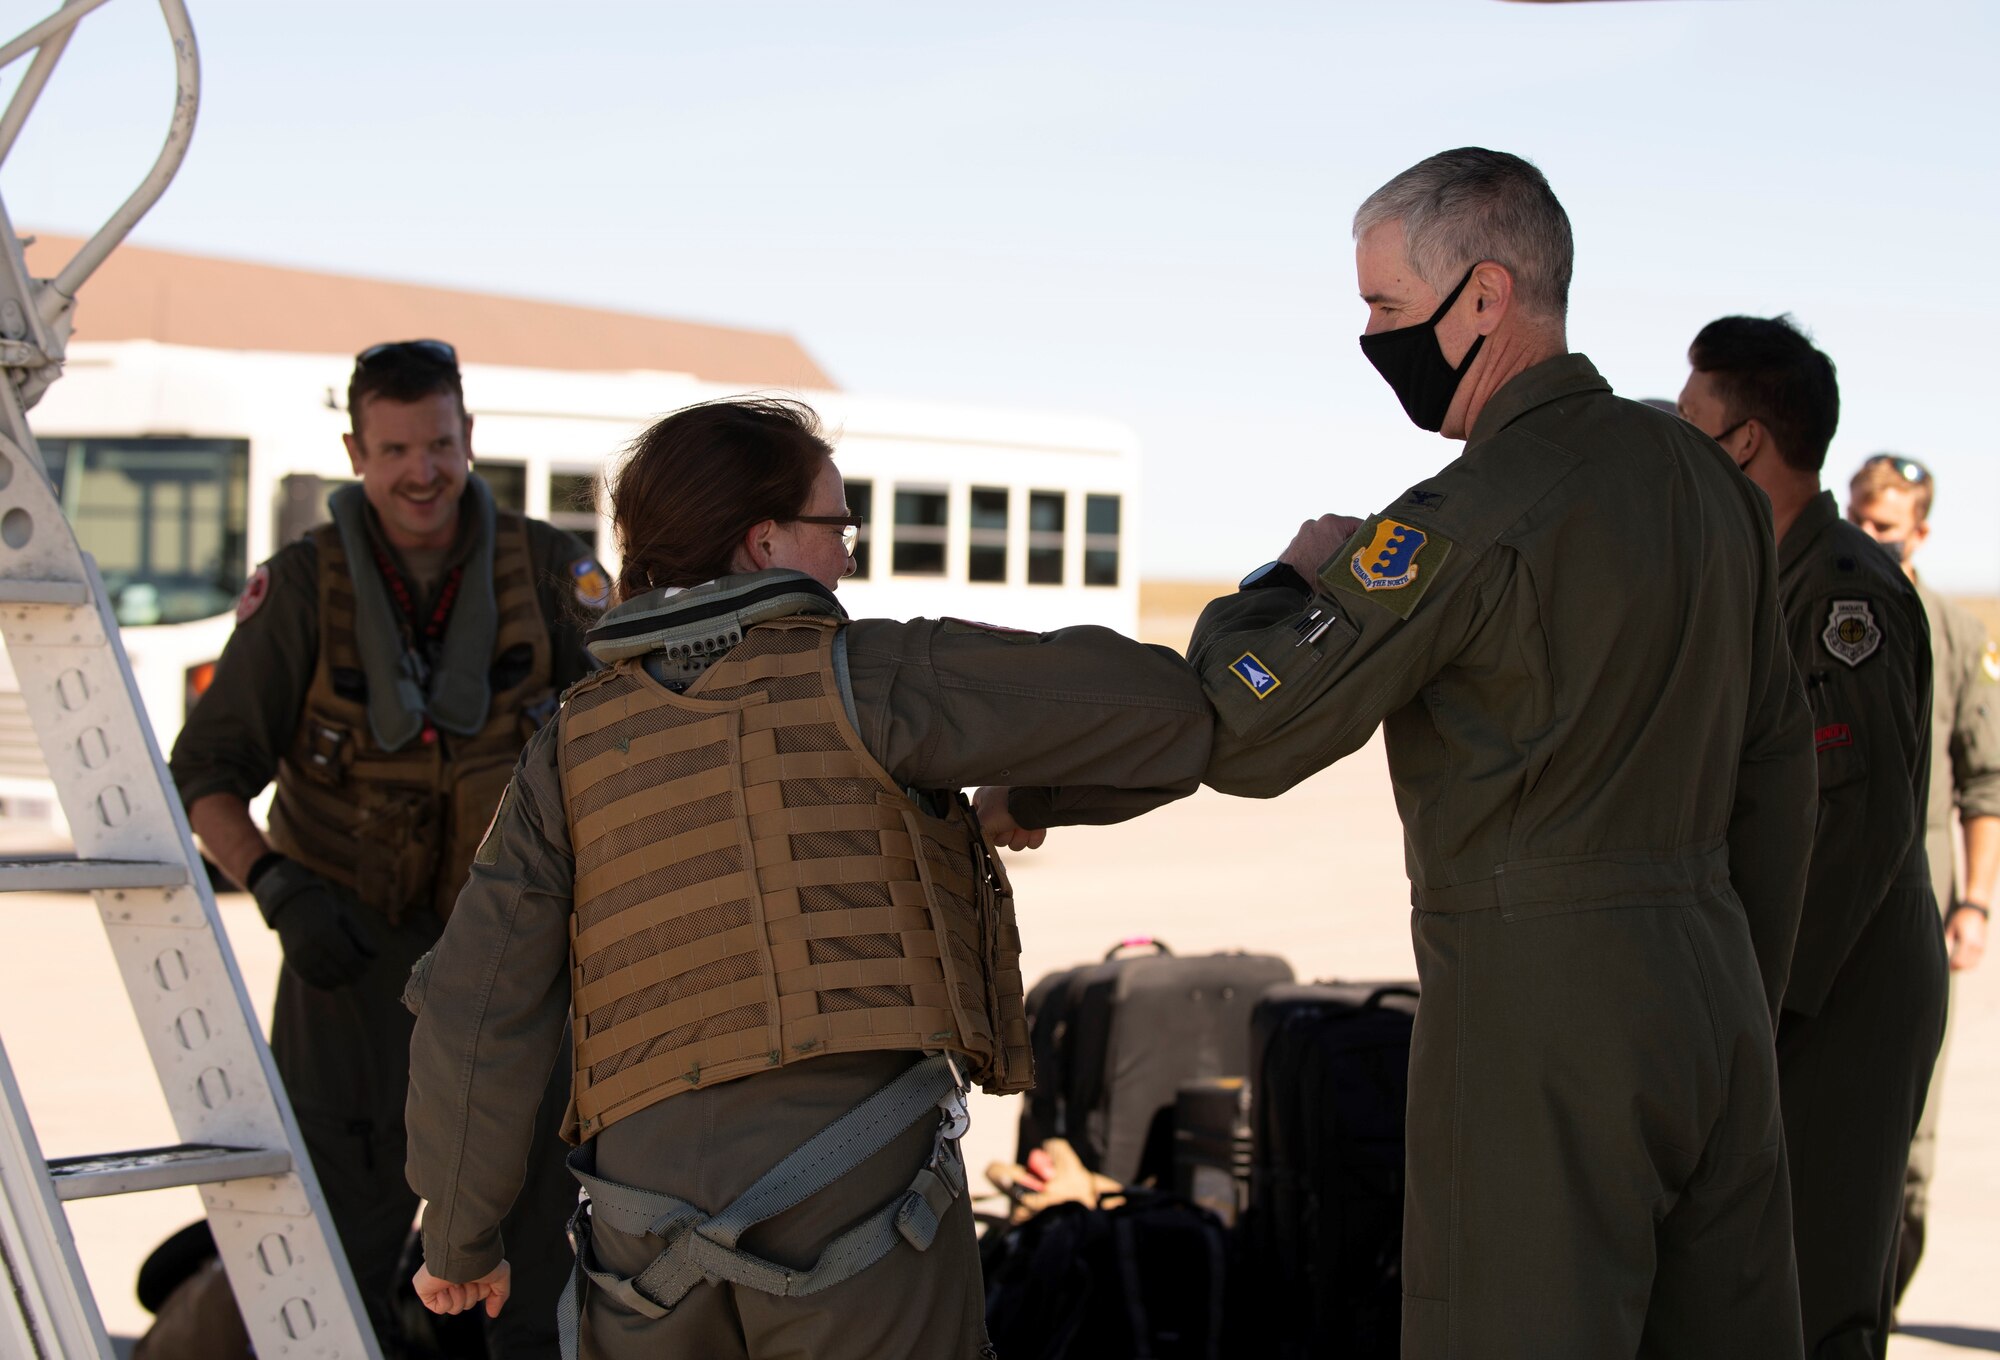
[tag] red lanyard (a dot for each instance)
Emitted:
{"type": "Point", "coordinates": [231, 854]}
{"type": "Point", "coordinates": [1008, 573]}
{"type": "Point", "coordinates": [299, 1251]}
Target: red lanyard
{"type": "Point", "coordinates": [432, 630]}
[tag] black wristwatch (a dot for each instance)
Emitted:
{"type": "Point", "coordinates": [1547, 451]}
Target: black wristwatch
{"type": "Point", "coordinates": [1275, 574]}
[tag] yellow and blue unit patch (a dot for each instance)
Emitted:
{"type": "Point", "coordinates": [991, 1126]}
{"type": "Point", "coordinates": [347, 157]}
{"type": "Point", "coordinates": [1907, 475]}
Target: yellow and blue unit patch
{"type": "Point", "coordinates": [1254, 673]}
{"type": "Point", "coordinates": [593, 588]}
{"type": "Point", "coordinates": [1390, 562]}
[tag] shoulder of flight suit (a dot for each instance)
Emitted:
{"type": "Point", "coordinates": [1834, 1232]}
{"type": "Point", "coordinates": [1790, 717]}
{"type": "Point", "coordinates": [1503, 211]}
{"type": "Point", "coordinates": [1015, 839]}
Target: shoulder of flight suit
{"type": "Point", "coordinates": [1298, 682]}
{"type": "Point", "coordinates": [573, 588]}
{"type": "Point", "coordinates": [1862, 645]}
{"type": "Point", "coordinates": [491, 1005]}
{"type": "Point", "coordinates": [945, 703]}
{"type": "Point", "coordinates": [232, 739]}
{"type": "Point", "coordinates": [1968, 682]}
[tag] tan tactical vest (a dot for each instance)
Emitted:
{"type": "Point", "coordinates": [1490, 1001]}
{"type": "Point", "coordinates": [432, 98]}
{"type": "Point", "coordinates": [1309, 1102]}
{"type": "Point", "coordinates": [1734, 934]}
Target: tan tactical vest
{"type": "Point", "coordinates": [399, 828]}
{"type": "Point", "coordinates": [753, 889]}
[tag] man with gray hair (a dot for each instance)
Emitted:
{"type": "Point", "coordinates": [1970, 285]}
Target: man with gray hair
{"type": "Point", "coordinates": [1571, 638]}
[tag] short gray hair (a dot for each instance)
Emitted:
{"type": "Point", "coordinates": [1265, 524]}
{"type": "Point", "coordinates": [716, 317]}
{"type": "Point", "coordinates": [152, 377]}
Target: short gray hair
{"type": "Point", "coordinates": [1461, 207]}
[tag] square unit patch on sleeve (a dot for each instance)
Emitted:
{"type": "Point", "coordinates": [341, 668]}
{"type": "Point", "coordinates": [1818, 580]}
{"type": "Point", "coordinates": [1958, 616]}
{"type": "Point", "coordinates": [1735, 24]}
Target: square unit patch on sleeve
{"type": "Point", "coordinates": [1851, 633]}
{"type": "Point", "coordinates": [1389, 562]}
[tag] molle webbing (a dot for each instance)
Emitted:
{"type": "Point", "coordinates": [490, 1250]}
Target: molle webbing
{"type": "Point", "coordinates": [752, 888]}
{"type": "Point", "coordinates": [399, 828]}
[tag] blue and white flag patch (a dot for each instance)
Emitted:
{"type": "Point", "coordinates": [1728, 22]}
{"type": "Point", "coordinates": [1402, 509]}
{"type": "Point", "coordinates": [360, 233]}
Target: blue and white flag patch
{"type": "Point", "coordinates": [1255, 674]}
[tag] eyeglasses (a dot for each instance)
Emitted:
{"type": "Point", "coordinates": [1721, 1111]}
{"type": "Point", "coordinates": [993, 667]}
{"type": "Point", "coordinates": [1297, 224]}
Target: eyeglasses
{"type": "Point", "coordinates": [1909, 469]}
{"type": "Point", "coordinates": [850, 527]}
{"type": "Point", "coordinates": [437, 351]}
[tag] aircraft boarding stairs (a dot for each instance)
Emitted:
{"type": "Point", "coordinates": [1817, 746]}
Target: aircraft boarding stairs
{"type": "Point", "coordinates": [137, 860]}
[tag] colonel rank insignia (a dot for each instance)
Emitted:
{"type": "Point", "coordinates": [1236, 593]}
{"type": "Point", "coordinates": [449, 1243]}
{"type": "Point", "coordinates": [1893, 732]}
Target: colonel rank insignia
{"type": "Point", "coordinates": [1851, 632]}
{"type": "Point", "coordinates": [1394, 566]}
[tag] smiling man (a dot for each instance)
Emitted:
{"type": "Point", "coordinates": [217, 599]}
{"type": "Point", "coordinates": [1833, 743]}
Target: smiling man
{"type": "Point", "coordinates": [1570, 637]}
{"type": "Point", "coordinates": [386, 670]}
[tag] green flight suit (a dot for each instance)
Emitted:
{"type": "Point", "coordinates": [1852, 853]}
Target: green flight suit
{"type": "Point", "coordinates": [1965, 779]}
{"type": "Point", "coordinates": [941, 705]}
{"type": "Point", "coordinates": [1864, 1010]}
{"type": "Point", "coordinates": [1571, 639]}
{"type": "Point", "coordinates": [344, 1054]}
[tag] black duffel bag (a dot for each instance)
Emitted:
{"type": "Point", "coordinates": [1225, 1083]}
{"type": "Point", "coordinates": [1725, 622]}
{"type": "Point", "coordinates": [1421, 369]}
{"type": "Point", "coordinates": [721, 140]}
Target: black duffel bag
{"type": "Point", "coordinates": [1146, 1278]}
{"type": "Point", "coordinates": [1323, 1233]}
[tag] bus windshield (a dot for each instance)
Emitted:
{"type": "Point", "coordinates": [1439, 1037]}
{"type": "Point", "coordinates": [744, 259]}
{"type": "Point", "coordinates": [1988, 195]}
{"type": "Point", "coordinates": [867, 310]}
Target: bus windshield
{"type": "Point", "coordinates": [164, 518]}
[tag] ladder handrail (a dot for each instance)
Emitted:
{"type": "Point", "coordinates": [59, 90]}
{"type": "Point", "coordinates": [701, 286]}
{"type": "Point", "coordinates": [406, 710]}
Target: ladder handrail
{"type": "Point", "coordinates": [47, 38]}
{"type": "Point", "coordinates": [291, 1280]}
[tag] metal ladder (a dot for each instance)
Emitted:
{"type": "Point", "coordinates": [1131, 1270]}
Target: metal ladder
{"type": "Point", "coordinates": [135, 856]}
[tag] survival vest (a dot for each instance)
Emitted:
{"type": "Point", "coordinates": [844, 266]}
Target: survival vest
{"type": "Point", "coordinates": [753, 889]}
{"type": "Point", "coordinates": [399, 828]}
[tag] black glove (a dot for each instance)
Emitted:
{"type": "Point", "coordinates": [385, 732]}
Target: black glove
{"type": "Point", "coordinates": [319, 926]}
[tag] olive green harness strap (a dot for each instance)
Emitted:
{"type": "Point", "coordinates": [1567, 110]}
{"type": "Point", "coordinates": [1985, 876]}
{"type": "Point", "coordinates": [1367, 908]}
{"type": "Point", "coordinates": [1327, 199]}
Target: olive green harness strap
{"type": "Point", "coordinates": [699, 1246]}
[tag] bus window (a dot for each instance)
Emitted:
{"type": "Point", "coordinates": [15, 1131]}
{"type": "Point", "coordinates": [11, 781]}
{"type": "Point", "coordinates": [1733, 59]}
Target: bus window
{"type": "Point", "coordinates": [303, 504]}
{"type": "Point", "coordinates": [507, 481]}
{"type": "Point", "coordinates": [573, 505]}
{"type": "Point", "coordinates": [920, 532]}
{"type": "Point", "coordinates": [164, 517]}
{"type": "Point", "coordinates": [1100, 540]}
{"type": "Point", "coordinates": [1045, 538]}
{"type": "Point", "coordinates": [986, 559]}
{"type": "Point", "coordinates": [861, 504]}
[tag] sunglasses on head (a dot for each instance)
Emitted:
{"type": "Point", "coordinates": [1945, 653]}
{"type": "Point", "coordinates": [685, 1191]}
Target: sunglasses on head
{"type": "Point", "coordinates": [1909, 469]}
{"type": "Point", "coordinates": [437, 351]}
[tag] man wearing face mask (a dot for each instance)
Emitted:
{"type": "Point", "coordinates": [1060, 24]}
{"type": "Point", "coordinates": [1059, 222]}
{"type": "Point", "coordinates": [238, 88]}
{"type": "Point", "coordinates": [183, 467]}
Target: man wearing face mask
{"type": "Point", "coordinates": [1890, 500]}
{"type": "Point", "coordinates": [1570, 636]}
{"type": "Point", "coordinates": [1864, 1008]}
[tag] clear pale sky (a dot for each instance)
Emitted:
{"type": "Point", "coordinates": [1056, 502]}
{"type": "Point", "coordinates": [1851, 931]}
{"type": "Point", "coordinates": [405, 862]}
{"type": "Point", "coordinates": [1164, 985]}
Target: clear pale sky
{"type": "Point", "coordinates": [1138, 211]}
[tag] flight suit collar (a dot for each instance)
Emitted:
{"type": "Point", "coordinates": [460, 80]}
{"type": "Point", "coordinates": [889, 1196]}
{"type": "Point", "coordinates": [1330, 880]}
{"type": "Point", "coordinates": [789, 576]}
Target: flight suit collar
{"type": "Point", "coordinates": [1822, 512]}
{"type": "Point", "coordinates": [1550, 380]}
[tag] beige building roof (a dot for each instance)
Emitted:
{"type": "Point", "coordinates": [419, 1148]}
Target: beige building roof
{"type": "Point", "coordinates": [146, 294]}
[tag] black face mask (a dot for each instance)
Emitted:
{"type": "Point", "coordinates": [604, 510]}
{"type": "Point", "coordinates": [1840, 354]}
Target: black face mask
{"type": "Point", "coordinates": [1414, 364]}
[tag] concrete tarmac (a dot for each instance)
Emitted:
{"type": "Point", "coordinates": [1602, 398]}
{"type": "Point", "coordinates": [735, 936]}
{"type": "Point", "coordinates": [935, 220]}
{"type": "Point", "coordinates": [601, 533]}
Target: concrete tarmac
{"type": "Point", "coordinates": [1315, 876]}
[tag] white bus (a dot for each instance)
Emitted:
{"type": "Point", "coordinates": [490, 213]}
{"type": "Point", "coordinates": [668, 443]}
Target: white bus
{"type": "Point", "coordinates": [183, 467]}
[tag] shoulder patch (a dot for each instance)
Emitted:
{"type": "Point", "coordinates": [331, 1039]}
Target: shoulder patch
{"type": "Point", "coordinates": [1255, 674]}
{"type": "Point", "coordinates": [1851, 633]}
{"type": "Point", "coordinates": [1394, 566]}
{"type": "Point", "coordinates": [593, 588]}
{"type": "Point", "coordinates": [1989, 662]}
{"type": "Point", "coordinates": [255, 591]}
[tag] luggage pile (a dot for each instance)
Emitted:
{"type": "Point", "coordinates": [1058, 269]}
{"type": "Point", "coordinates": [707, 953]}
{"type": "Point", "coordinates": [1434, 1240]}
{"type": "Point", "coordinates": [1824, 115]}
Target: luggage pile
{"type": "Point", "coordinates": [1257, 1125]}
